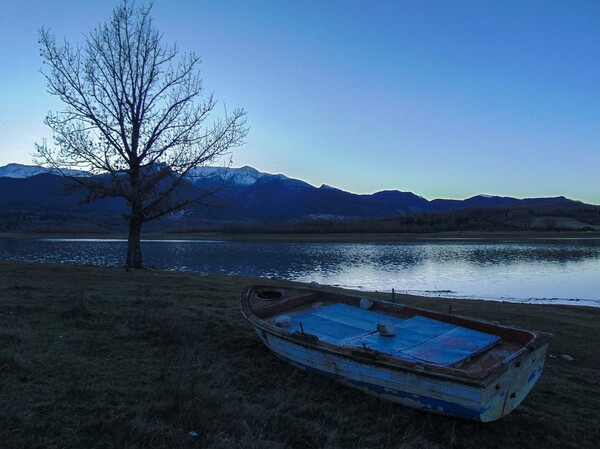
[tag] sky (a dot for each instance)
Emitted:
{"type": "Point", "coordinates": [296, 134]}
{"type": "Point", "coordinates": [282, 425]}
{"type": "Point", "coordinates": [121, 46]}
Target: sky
{"type": "Point", "coordinates": [446, 99]}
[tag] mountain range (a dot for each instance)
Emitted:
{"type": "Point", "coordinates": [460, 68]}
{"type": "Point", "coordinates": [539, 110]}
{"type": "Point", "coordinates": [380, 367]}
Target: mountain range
{"type": "Point", "coordinates": [248, 196]}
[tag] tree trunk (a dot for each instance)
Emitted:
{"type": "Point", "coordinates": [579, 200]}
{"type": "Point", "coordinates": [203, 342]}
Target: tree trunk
{"type": "Point", "coordinates": [134, 247]}
{"type": "Point", "coordinates": [136, 220]}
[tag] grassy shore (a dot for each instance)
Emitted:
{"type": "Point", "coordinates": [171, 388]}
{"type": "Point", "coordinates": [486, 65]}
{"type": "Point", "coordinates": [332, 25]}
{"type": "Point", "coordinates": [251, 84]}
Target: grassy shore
{"type": "Point", "coordinates": [99, 357]}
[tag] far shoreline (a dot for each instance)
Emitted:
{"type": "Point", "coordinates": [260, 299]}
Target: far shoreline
{"type": "Point", "coordinates": [483, 236]}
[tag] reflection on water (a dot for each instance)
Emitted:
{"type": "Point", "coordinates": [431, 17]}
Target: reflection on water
{"type": "Point", "coordinates": [545, 271]}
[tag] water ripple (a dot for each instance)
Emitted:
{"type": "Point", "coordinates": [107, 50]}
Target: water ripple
{"type": "Point", "coordinates": [564, 272]}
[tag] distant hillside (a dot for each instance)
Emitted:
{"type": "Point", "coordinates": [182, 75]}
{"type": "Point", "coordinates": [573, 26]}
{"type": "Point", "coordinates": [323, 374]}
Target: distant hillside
{"type": "Point", "coordinates": [36, 200]}
{"type": "Point", "coordinates": [553, 216]}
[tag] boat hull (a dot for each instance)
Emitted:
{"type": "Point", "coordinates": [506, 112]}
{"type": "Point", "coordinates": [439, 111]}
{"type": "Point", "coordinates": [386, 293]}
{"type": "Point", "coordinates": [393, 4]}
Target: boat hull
{"type": "Point", "coordinates": [417, 390]}
{"type": "Point", "coordinates": [432, 362]}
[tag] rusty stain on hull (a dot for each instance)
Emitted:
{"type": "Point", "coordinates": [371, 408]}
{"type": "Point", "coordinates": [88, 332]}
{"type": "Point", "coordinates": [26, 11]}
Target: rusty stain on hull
{"type": "Point", "coordinates": [426, 360]}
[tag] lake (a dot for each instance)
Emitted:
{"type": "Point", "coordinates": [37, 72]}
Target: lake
{"type": "Point", "coordinates": [560, 271]}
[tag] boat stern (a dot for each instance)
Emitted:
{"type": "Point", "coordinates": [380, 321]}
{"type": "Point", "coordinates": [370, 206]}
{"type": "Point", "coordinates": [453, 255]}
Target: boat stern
{"type": "Point", "coordinates": [509, 390]}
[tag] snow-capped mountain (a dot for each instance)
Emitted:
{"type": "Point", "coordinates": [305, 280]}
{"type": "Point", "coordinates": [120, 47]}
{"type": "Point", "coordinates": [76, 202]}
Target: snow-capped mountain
{"type": "Point", "coordinates": [26, 171]}
{"type": "Point", "coordinates": [244, 195]}
{"type": "Point", "coordinates": [242, 177]}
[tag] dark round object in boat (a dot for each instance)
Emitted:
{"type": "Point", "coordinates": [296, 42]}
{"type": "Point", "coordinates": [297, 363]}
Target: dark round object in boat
{"type": "Point", "coordinates": [269, 295]}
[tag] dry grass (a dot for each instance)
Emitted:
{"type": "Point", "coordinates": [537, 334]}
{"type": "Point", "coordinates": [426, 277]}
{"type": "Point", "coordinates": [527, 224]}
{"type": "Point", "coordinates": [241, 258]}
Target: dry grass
{"type": "Point", "coordinates": [97, 357]}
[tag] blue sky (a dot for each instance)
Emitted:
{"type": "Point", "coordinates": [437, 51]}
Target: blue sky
{"type": "Point", "coordinates": [447, 99]}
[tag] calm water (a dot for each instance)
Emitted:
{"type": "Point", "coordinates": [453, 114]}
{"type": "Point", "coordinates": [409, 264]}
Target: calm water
{"type": "Point", "coordinates": [559, 271]}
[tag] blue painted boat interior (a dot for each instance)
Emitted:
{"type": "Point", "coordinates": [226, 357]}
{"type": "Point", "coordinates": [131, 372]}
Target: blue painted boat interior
{"type": "Point", "coordinates": [417, 339]}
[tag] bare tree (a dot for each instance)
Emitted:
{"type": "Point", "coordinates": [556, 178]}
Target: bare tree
{"type": "Point", "coordinates": [134, 112]}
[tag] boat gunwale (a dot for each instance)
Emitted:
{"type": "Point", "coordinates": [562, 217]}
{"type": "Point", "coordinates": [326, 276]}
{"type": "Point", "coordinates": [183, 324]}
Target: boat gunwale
{"type": "Point", "coordinates": [480, 378]}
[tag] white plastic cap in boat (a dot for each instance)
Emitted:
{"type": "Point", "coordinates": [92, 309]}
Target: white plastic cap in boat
{"type": "Point", "coordinates": [283, 321]}
{"type": "Point", "coordinates": [365, 303]}
{"type": "Point", "coordinates": [386, 329]}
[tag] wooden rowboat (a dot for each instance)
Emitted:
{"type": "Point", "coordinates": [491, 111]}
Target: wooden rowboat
{"type": "Point", "coordinates": [435, 362]}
